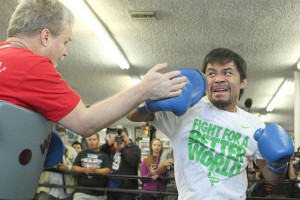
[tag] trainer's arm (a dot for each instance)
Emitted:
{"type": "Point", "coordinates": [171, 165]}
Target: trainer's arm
{"type": "Point", "coordinates": [270, 177]}
{"type": "Point", "coordinates": [86, 121]}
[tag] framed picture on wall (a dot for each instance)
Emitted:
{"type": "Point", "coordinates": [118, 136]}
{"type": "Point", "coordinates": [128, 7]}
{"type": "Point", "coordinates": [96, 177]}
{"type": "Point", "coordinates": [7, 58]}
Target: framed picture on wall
{"type": "Point", "coordinates": [144, 146]}
{"type": "Point", "coordinates": [138, 132]}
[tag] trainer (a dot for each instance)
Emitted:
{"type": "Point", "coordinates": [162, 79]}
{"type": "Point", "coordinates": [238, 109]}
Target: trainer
{"type": "Point", "coordinates": [38, 34]}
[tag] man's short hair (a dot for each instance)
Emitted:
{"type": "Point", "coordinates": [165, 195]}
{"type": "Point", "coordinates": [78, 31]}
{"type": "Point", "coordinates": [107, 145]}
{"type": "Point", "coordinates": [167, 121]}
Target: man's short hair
{"type": "Point", "coordinates": [96, 135]}
{"type": "Point", "coordinates": [119, 131]}
{"type": "Point", "coordinates": [32, 16]}
{"type": "Point", "coordinates": [224, 56]}
{"type": "Point", "coordinates": [76, 142]}
{"type": "Point", "coordinates": [61, 129]}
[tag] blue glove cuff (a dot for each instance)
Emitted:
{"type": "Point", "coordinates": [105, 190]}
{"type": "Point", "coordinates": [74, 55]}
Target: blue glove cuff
{"type": "Point", "coordinates": [143, 110]}
{"type": "Point", "coordinates": [276, 168]}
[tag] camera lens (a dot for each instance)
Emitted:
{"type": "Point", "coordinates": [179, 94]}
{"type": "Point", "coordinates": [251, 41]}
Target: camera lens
{"type": "Point", "coordinates": [119, 140]}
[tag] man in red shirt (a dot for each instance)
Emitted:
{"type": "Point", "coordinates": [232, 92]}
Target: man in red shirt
{"type": "Point", "coordinates": [38, 34]}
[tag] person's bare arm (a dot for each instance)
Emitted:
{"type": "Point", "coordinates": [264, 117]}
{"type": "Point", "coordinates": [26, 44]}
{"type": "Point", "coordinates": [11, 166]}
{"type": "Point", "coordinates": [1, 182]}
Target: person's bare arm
{"type": "Point", "coordinates": [270, 177]}
{"type": "Point", "coordinates": [291, 171]}
{"type": "Point", "coordinates": [155, 85]}
{"type": "Point", "coordinates": [162, 167]}
{"type": "Point", "coordinates": [102, 171]}
{"type": "Point", "coordinates": [135, 116]}
{"type": "Point", "coordinates": [79, 169]}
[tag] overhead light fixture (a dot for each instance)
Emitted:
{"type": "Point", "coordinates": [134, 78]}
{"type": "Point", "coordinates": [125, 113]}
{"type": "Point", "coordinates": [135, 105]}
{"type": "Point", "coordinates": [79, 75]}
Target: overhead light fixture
{"type": "Point", "coordinates": [280, 94]}
{"type": "Point", "coordinates": [143, 15]}
{"type": "Point", "coordinates": [81, 8]}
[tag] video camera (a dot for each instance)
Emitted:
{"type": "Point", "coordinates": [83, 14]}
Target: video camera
{"type": "Point", "coordinates": [119, 139]}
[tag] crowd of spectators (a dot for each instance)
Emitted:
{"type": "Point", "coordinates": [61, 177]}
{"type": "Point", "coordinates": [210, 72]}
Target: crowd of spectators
{"type": "Point", "coordinates": [153, 176]}
{"type": "Point", "coordinates": [94, 170]}
{"type": "Point", "coordinates": [289, 188]}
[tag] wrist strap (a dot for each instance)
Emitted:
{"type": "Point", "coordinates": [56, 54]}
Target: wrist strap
{"type": "Point", "coordinates": [143, 109]}
{"type": "Point", "coordinates": [277, 169]}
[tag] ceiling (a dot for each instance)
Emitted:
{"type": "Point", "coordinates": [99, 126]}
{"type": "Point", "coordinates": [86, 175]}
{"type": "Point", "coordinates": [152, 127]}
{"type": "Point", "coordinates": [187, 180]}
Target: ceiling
{"type": "Point", "coordinates": [265, 33]}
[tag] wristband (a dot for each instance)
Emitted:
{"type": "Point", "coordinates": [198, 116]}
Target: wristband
{"type": "Point", "coordinates": [277, 169]}
{"type": "Point", "coordinates": [142, 108]}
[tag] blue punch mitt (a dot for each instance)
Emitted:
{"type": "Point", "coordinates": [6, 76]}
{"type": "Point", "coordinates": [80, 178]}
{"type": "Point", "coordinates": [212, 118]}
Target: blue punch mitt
{"type": "Point", "coordinates": [193, 91]}
{"type": "Point", "coordinates": [55, 151]}
{"type": "Point", "coordinates": [275, 146]}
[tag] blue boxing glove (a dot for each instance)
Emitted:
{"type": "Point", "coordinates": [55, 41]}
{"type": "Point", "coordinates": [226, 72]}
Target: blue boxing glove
{"type": "Point", "coordinates": [193, 91]}
{"type": "Point", "coordinates": [275, 146]}
{"type": "Point", "coordinates": [56, 150]}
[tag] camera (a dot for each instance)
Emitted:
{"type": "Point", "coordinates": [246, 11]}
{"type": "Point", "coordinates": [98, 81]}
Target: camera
{"type": "Point", "coordinates": [119, 139]}
{"type": "Point", "coordinates": [154, 166]}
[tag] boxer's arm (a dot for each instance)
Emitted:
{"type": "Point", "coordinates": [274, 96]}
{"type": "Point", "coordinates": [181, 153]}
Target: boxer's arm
{"type": "Point", "coordinates": [292, 174]}
{"type": "Point", "coordinates": [276, 148]}
{"type": "Point", "coordinates": [268, 175]}
{"type": "Point", "coordinates": [136, 116]}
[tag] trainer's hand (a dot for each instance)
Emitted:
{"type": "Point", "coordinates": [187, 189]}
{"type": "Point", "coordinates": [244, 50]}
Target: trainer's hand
{"type": "Point", "coordinates": [160, 86]}
{"type": "Point", "coordinates": [193, 91]}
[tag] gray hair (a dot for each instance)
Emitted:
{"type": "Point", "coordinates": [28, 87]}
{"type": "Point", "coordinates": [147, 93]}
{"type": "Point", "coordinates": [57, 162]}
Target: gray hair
{"type": "Point", "coordinates": [32, 16]}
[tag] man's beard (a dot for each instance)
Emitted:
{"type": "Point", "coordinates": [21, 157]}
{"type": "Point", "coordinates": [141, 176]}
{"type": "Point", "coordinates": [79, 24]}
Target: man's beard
{"type": "Point", "coordinates": [221, 104]}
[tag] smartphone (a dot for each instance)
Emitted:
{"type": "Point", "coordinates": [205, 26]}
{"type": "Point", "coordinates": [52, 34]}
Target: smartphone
{"type": "Point", "coordinates": [154, 166]}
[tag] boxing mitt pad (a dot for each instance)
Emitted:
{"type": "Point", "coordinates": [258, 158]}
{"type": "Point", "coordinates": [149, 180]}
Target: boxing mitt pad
{"type": "Point", "coordinates": [55, 151]}
{"type": "Point", "coordinates": [275, 146]}
{"type": "Point", "coordinates": [193, 91]}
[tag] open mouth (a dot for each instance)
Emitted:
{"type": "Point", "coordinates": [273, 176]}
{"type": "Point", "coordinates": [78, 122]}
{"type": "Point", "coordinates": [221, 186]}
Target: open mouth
{"type": "Point", "coordinates": [220, 90]}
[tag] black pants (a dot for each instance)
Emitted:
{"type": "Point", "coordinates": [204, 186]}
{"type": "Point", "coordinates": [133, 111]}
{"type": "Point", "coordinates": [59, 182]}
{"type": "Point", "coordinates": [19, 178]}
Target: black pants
{"type": "Point", "coordinates": [46, 196]}
{"type": "Point", "coordinates": [146, 196]}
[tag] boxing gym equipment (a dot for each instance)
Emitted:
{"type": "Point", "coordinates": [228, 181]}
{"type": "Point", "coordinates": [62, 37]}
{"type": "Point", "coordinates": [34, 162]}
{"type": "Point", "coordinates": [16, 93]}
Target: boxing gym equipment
{"type": "Point", "coordinates": [275, 146]}
{"type": "Point", "coordinates": [25, 138]}
{"type": "Point", "coordinates": [193, 91]}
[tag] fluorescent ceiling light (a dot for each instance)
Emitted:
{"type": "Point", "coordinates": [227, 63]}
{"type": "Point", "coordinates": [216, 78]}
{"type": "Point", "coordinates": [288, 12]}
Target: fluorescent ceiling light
{"type": "Point", "coordinates": [79, 7]}
{"type": "Point", "coordinates": [280, 94]}
{"type": "Point", "coordinates": [262, 117]}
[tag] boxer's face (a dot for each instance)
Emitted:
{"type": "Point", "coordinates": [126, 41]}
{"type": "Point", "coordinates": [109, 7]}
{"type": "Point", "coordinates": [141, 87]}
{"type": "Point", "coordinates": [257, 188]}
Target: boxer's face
{"type": "Point", "coordinates": [224, 84]}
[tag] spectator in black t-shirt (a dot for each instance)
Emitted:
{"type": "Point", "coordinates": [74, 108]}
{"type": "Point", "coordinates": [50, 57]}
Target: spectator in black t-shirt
{"type": "Point", "coordinates": [90, 163]}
